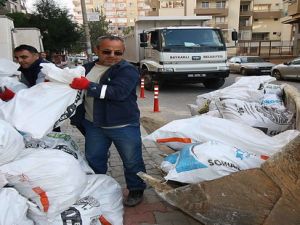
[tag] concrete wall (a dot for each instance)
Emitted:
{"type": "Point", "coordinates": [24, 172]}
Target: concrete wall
{"type": "Point", "coordinates": [29, 36]}
{"type": "Point", "coordinates": [6, 39]}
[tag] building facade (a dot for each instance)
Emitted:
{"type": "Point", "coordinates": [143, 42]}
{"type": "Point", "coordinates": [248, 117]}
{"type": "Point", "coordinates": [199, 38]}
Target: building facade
{"type": "Point", "coordinates": [12, 6]}
{"type": "Point", "coordinates": [257, 20]}
{"type": "Point", "coordinates": [119, 13]}
{"type": "Point", "coordinates": [292, 17]}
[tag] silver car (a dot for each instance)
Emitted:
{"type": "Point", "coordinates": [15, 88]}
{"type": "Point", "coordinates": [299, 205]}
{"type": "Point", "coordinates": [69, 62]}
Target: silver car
{"type": "Point", "coordinates": [287, 70]}
{"type": "Point", "coordinates": [250, 65]}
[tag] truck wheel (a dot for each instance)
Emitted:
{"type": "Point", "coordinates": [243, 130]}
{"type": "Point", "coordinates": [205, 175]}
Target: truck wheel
{"type": "Point", "coordinates": [214, 83]}
{"type": "Point", "coordinates": [148, 80]}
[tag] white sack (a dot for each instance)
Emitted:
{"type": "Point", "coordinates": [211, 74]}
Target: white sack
{"type": "Point", "coordinates": [66, 75]}
{"type": "Point", "coordinates": [245, 88]}
{"type": "Point", "coordinates": [40, 108]}
{"type": "Point", "coordinates": [11, 143]}
{"type": "Point", "coordinates": [204, 128]}
{"type": "Point", "coordinates": [208, 161]}
{"type": "Point", "coordinates": [13, 208]}
{"type": "Point", "coordinates": [273, 89]}
{"type": "Point", "coordinates": [62, 142]}
{"type": "Point", "coordinates": [273, 101]}
{"type": "Point", "coordinates": [51, 179]}
{"type": "Point", "coordinates": [101, 199]}
{"type": "Point", "coordinates": [8, 68]}
{"type": "Point", "coordinates": [12, 83]}
{"type": "Point", "coordinates": [271, 121]}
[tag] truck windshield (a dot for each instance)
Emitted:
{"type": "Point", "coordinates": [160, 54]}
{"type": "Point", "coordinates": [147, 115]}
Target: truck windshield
{"type": "Point", "coordinates": [192, 40]}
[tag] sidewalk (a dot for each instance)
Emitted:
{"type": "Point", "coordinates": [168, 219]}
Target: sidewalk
{"type": "Point", "coordinates": [153, 210]}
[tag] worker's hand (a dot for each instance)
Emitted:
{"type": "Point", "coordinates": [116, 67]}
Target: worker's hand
{"type": "Point", "coordinates": [7, 94]}
{"type": "Point", "coordinates": [80, 83]}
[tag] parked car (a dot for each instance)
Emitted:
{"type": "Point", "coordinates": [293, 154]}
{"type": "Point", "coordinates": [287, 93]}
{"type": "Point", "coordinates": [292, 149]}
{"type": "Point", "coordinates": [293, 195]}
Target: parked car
{"type": "Point", "coordinates": [250, 65]}
{"type": "Point", "coordinates": [287, 70]}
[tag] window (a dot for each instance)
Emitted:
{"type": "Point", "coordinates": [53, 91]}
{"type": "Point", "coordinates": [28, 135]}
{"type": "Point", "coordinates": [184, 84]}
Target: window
{"type": "Point", "coordinates": [205, 4]}
{"type": "Point", "coordinates": [220, 19]}
{"type": "Point", "coordinates": [220, 4]}
{"type": "Point", "coordinates": [261, 7]}
{"type": "Point", "coordinates": [260, 36]}
{"type": "Point", "coordinates": [244, 8]}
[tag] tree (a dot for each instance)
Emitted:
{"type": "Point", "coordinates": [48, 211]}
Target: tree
{"type": "Point", "coordinates": [2, 3]}
{"type": "Point", "coordinates": [58, 30]}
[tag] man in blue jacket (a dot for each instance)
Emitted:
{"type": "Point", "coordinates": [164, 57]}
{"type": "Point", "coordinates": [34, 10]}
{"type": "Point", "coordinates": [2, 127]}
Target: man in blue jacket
{"type": "Point", "coordinates": [28, 58]}
{"type": "Point", "coordinates": [111, 115]}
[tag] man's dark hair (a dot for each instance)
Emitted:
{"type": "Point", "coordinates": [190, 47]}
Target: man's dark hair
{"type": "Point", "coordinates": [26, 47]}
{"type": "Point", "coordinates": [109, 37]}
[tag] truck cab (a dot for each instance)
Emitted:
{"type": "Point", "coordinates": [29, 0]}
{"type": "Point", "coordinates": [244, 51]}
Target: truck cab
{"type": "Point", "coordinates": [189, 54]}
{"type": "Point", "coordinates": [178, 49]}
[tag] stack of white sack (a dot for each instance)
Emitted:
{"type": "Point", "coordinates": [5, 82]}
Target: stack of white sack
{"type": "Point", "coordinates": [99, 203]}
{"type": "Point", "coordinates": [221, 147]}
{"type": "Point", "coordinates": [271, 121]}
{"type": "Point", "coordinates": [61, 142]}
{"type": "Point", "coordinates": [207, 161]}
{"type": "Point", "coordinates": [204, 128]}
{"type": "Point", "coordinates": [252, 101]}
{"type": "Point", "coordinates": [53, 180]}
{"type": "Point", "coordinates": [245, 89]}
{"type": "Point", "coordinates": [39, 109]}
{"type": "Point", "coordinates": [13, 208]}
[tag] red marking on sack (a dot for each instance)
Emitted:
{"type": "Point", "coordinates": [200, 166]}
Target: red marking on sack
{"type": "Point", "coordinates": [264, 157]}
{"type": "Point", "coordinates": [103, 221]}
{"type": "Point", "coordinates": [43, 198]}
{"type": "Point", "coordinates": [174, 139]}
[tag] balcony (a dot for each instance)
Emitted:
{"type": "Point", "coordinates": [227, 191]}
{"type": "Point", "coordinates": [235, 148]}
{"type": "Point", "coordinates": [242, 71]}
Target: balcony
{"type": "Point", "coordinates": [246, 13]}
{"type": "Point", "coordinates": [211, 11]}
{"type": "Point", "coordinates": [245, 27]}
{"type": "Point", "coordinates": [267, 15]}
{"type": "Point", "coordinates": [294, 8]}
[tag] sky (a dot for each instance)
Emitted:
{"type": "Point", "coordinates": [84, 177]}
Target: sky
{"type": "Point", "coordinates": [61, 3]}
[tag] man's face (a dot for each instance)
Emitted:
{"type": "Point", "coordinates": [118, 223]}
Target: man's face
{"type": "Point", "coordinates": [110, 52]}
{"type": "Point", "coordinates": [26, 58]}
{"type": "Point", "coordinates": [43, 55]}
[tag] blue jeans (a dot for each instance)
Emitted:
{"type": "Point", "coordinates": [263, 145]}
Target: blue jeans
{"type": "Point", "coordinates": [129, 145]}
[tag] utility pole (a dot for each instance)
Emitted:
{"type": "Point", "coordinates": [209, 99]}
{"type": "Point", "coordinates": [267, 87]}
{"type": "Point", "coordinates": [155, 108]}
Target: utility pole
{"type": "Point", "coordinates": [86, 31]}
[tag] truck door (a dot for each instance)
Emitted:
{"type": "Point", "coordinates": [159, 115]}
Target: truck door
{"type": "Point", "coordinates": [154, 43]}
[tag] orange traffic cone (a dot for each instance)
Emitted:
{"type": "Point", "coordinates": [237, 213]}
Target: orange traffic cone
{"type": "Point", "coordinates": [142, 89]}
{"type": "Point", "coordinates": [156, 103]}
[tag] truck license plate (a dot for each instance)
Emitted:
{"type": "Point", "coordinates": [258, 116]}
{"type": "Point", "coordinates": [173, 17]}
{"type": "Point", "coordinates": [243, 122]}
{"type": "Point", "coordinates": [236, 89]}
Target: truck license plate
{"type": "Point", "coordinates": [197, 75]}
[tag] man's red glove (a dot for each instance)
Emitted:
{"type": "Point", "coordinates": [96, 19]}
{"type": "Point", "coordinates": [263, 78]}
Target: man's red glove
{"type": "Point", "coordinates": [80, 83]}
{"type": "Point", "coordinates": [7, 94]}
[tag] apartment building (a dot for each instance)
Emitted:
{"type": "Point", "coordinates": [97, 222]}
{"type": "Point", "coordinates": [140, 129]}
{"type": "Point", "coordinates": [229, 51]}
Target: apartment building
{"type": "Point", "coordinates": [119, 13]}
{"type": "Point", "coordinates": [292, 17]}
{"type": "Point", "coordinates": [253, 19]}
{"type": "Point", "coordinates": [12, 6]}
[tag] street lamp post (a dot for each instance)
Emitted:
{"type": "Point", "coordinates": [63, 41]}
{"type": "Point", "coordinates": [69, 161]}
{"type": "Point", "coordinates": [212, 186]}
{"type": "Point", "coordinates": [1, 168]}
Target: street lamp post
{"type": "Point", "coordinates": [86, 31]}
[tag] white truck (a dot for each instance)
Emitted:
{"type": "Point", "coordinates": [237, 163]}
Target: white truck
{"type": "Point", "coordinates": [12, 37]}
{"type": "Point", "coordinates": [178, 49]}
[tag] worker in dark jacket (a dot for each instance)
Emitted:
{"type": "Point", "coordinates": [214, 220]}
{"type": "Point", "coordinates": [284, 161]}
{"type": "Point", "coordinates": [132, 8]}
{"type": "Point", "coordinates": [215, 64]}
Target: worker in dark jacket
{"type": "Point", "coordinates": [111, 114]}
{"type": "Point", "coordinates": [28, 58]}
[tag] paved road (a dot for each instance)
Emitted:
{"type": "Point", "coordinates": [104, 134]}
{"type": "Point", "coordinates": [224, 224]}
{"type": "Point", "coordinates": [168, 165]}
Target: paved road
{"type": "Point", "coordinates": [174, 98]}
